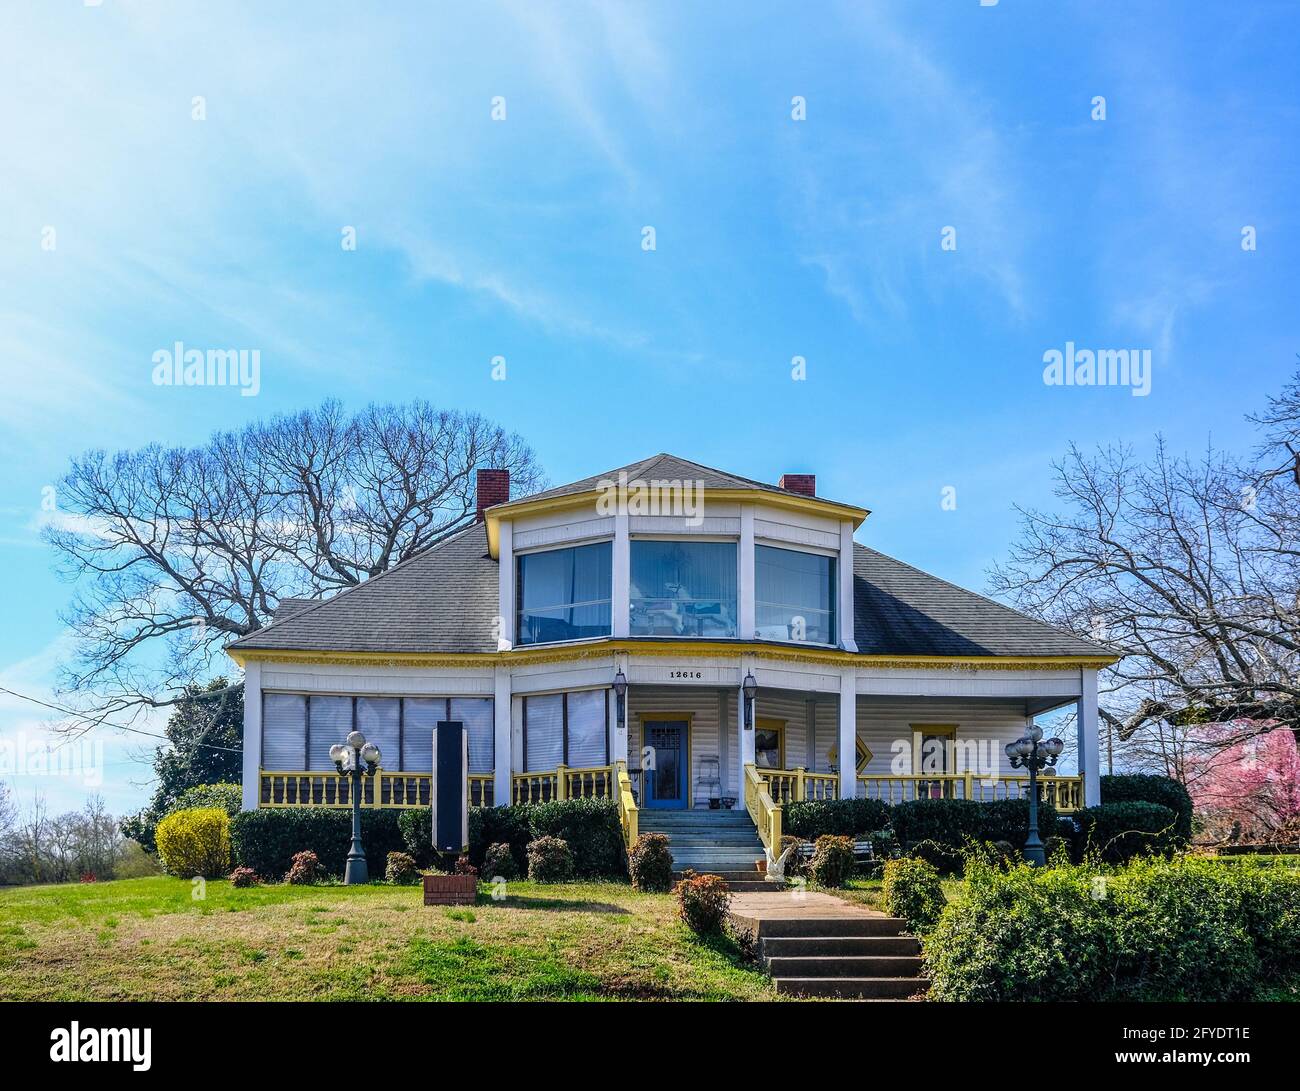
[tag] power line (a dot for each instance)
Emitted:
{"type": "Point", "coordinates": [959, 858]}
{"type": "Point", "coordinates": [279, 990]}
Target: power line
{"type": "Point", "coordinates": [105, 723]}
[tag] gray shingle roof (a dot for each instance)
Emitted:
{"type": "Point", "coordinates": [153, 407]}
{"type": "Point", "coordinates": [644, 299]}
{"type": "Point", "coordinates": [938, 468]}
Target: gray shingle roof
{"type": "Point", "coordinates": [445, 599]}
{"type": "Point", "coordinates": [900, 610]}
{"type": "Point", "coordinates": [441, 600]}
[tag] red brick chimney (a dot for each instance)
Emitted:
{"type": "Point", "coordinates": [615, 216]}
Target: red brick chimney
{"type": "Point", "coordinates": [493, 488]}
{"type": "Point", "coordinates": [803, 484]}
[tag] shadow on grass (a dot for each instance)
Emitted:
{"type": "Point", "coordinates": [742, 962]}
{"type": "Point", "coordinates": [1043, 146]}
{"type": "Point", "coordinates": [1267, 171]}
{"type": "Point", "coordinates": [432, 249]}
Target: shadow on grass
{"type": "Point", "coordinates": [523, 901]}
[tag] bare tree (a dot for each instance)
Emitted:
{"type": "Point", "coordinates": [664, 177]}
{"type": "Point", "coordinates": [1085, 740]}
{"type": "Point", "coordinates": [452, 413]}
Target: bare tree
{"type": "Point", "coordinates": [177, 551]}
{"type": "Point", "coordinates": [1187, 567]}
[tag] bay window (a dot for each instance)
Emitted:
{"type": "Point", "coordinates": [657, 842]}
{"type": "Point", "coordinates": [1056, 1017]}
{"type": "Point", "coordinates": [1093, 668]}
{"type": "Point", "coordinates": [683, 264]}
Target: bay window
{"type": "Point", "coordinates": [794, 595]}
{"type": "Point", "coordinates": [683, 589]}
{"type": "Point", "coordinates": [563, 594]}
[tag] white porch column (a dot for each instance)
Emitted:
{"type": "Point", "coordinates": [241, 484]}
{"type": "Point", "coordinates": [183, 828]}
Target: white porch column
{"type": "Point", "coordinates": [617, 731]}
{"type": "Point", "coordinates": [506, 587]}
{"type": "Point", "coordinates": [848, 740]}
{"type": "Point", "coordinates": [845, 611]}
{"type": "Point", "coordinates": [745, 574]}
{"type": "Point", "coordinates": [252, 732]}
{"type": "Point", "coordinates": [621, 583]}
{"type": "Point", "coordinates": [745, 751]}
{"type": "Point", "coordinates": [501, 740]}
{"type": "Point", "coordinates": [1089, 750]}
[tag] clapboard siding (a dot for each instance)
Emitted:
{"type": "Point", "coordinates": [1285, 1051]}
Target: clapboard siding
{"type": "Point", "coordinates": [885, 725]}
{"type": "Point", "coordinates": [375, 680]}
{"type": "Point", "coordinates": [706, 707]}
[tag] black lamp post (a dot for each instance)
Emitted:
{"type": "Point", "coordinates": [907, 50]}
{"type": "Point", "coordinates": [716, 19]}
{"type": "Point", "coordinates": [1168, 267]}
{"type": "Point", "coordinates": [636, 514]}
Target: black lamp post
{"type": "Point", "coordinates": [1034, 754]}
{"type": "Point", "coordinates": [620, 698]}
{"type": "Point", "coordinates": [356, 759]}
{"type": "Point", "coordinates": [749, 687]}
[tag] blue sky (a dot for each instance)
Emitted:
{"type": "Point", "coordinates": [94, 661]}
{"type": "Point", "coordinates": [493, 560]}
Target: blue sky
{"type": "Point", "coordinates": [522, 238]}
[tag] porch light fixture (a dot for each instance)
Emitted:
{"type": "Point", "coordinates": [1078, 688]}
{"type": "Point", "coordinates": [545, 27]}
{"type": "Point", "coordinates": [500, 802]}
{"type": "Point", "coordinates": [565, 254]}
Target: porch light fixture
{"type": "Point", "coordinates": [1034, 754]}
{"type": "Point", "coordinates": [356, 759]}
{"type": "Point", "coordinates": [749, 687]}
{"type": "Point", "coordinates": [620, 695]}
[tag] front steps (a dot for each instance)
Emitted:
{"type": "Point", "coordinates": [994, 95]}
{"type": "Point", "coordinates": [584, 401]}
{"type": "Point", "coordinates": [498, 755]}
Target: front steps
{"type": "Point", "coordinates": [863, 956]}
{"type": "Point", "coordinates": [741, 882]}
{"type": "Point", "coordinates": [713, 842]}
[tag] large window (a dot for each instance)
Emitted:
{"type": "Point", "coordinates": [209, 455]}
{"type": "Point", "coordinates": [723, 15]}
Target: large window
{"type": "Point", "coordinates": [794, 595]}
{"type": "Point", "coordinates": [683, 589]}
{"type": "Point", "coordinates": [566, 729]}
{"type": "Point", "coordinates": [563, 594]}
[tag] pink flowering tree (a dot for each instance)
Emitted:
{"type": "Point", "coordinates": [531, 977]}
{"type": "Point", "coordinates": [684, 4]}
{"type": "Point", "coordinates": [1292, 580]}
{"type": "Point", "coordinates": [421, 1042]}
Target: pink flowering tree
{"type": "Point", "coordinates": [1249, 789]}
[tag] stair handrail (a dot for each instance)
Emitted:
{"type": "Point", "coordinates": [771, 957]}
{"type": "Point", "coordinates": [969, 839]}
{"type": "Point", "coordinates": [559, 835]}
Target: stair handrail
{"type": "Point", "coordinates": [765, 813]}
{"type": "Point", "coordinates": [627, 810]}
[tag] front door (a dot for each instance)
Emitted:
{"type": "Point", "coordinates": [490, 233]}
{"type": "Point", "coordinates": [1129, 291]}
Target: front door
{"type": "Point", "coordinates": [665, 770]}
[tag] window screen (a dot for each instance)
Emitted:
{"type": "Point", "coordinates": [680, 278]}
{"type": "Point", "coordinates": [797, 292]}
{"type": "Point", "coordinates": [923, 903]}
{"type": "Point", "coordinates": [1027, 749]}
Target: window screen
{"type": "Point", "coordinates": [476, 714]}
{"type": "Point", "coordinates": [284, 732]}
{"type": "Point", "coordinates": [331, 720]}
{"type": "Point", "coordinates": [417, 732]}
{"type": "Point", "coordinates": [544, 732]}
{"type": "Point", "coordinates": [587, 729]}
{"type": "Point", "coordinates": [377, 721]}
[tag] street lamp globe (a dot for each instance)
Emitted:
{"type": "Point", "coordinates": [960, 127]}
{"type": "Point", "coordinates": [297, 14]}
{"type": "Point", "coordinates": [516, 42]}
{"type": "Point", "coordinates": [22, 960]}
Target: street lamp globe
{"type": "Point", "coordinates": [356, 740]}
{"type": "Point", "coordinates": [336, 752]}
{"type": "Point", "coordinates": [370, 754]}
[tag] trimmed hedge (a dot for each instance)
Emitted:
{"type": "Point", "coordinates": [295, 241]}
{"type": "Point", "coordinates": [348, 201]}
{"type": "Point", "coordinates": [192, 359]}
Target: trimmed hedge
{"type": "Point", "coordinates": [811, 819]}
{"type": "Point", "coordinates": [1122, 831]}
{"type": "Point", "coordinates": [955, 823]}
{"type": "Point", "coordinates": [268, 838]}
{"type": "Point", "coordinates": [1157, 930]}
{"type": "Point", "coordinates": [1149, 788]}
{"type": "Point", "coordinates": [592, 831]}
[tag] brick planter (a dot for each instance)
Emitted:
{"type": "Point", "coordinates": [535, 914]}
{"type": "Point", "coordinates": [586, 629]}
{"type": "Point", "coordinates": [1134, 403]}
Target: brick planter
{"type": "Point", "coordinates": [450, 889]}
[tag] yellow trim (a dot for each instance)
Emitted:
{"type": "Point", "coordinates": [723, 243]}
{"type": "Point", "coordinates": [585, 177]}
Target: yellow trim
{"type": "Point", "coordinates": [766, 723]}
{"type": "Point", "coordinates": [519, 509]}
{"type": "Point", "coordinates": [668, 648]}
{"type": "Point", "coordinates": [689, 717]}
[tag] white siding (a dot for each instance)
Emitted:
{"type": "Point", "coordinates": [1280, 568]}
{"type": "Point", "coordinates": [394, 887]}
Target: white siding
{"type": "Point", "coordinates": [706, 709]}
{"type": "Point", "coordinates": [885, 725]}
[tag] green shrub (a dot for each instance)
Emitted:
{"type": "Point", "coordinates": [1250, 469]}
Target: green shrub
{"type": "Point", "coordinates": [243, 877]}
{"type": "Point", "coordinates": [1149, 788]}
{"type": "Point", "coordinates": [499, 862]}
{"type": "Point", "coordinates": [195, 842]}
{"type": "Point", "coordinates": [912, 890]}
{"type": "Point", "coordinates": [1118, 832]}
{"type": "Point", "coordinates": [832, 861]}
{"type": "Point", "coordinates": [229, 797]}
{"type": "Point", "coordinates": [401, 869]}
{"type": "Point", "coordinates": [650, 863]}
{"type": "Point", "coordinates": [1271, 900]}
{"type": "Point", "coordinates": [549, 860]}
{"type": "Point", "coordinates": [956, 823]}
{"type": "Point", "coordinates": [304, 869]}
{"type": "Point", "coordinates": [490, 826]}
{"type": "Point", "coordinates": [810, 819]}
{"type": "Point", "coordinates": [267, 839]}
{"type": "Point", "coordinates": [592, 831]}
{"type": "Point", "coordinates": [702, 902]}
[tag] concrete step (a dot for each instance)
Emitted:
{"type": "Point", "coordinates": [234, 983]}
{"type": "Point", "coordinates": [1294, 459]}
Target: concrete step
{"type": "Point", "coordinates": [740, 875]}
{"type": "Point", "coordinates": [862, 988]}
{"type": "Point", "coordinates": [846, 966]}
{"type": "Point", "coordinates": [839, 947]}
{"type": "Point", "coordinates": [745, 886]}
{"type": "Point", "coordinates": [824, 927]}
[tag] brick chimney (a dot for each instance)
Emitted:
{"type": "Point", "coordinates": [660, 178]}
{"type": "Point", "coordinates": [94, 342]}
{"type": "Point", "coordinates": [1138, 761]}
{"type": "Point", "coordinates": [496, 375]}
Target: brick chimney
{"type": "Point", "coordinates": [493, 488]}
{"type": "Point", "coordinates": [803, 484]}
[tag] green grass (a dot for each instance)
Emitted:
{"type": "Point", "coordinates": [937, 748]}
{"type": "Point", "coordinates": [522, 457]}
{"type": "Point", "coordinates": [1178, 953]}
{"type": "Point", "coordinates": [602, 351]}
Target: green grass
{"type": "Point", "coordinates": [153, 939]}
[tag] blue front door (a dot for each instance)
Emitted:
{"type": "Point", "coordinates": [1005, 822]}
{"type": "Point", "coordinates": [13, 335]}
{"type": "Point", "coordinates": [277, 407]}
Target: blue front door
{"type": "Point", "coordinates": [664, 773]}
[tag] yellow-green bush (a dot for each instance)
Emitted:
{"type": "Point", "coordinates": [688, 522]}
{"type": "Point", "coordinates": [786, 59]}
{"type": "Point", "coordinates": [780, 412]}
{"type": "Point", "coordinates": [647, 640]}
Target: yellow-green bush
{"type": "Point", "coordinates": [195, 842]}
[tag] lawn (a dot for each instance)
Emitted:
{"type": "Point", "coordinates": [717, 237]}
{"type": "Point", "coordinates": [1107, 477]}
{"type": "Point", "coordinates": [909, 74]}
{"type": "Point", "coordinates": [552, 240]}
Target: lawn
{"type": "Point", "coordinates": [154, 939]}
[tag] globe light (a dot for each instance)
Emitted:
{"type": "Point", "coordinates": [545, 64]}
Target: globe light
{"type": "Point", "coordinates": [1054, 747]}
{"type": "Point", "coordinates": [356, 740]}
{"type": "Point", "coordinates": [370, 754]}
{"type": "Point", "coordinates": [1024, 748]}
{"type": "Point", "coordinates": [337, 751]}
{"type": "Point", "coordinates": [1035, 732]}
{"type": "Point", "coordinates": [1011, 750]}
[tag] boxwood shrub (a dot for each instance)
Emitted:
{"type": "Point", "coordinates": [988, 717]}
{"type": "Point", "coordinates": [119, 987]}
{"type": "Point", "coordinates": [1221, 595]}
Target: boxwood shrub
{"type": "Point", "coordinates": [912, 890]}
{"type": "Point", "coordinates": [267, 839]}
{"type": "Point", "coordinates": [1118, 832]}
{"type": "Point", "coordinates": [1148, 788]}
{"type": "Point", "coordinates": [592, 831]}
{"type": "Point", "coordinates": [811, 819]}
{"type": "Point", "coordinates": [956, 823]}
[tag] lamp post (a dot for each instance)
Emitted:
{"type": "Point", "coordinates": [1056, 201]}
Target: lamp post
{"type": "Point", "coordinates": [1034, 754]}
{"type": "Point", "coordinates": [749, 687]}
{"type": "Point", "coordinates": [620, 698]}
{"type": "Point", "coordinates": [356, 758]}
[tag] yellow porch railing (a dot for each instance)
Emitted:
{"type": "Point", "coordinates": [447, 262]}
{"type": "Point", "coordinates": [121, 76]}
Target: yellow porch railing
{"type": "Point", "coordinates": [594, 782]}
{"type": "Point", "coordinates": [627, 810]}
{"type": "Point", "coordinates": [765, 812]}
{"type": "Point", "coordinates": [384, 789]}
{"type": "Point", "coordinates": [1063, 793]}
{"type": "Point", "coordinates": [795, 785]}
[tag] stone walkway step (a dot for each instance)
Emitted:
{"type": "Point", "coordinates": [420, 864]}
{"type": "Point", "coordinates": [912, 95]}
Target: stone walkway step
{"type": "Point", "coordinates": [841, 946]}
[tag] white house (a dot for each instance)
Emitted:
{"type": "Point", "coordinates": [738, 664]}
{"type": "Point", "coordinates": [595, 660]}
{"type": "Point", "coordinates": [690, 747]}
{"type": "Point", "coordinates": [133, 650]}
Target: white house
{"type": "Point", "coordinates": [766, 657]}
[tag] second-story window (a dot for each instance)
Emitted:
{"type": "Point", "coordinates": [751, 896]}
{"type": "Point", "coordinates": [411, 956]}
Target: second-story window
{"type": "Point", "coordinates": [683, 589]}
{"type": "Point", "coordinates": [563, 594]}
{"type": "Point", "coordinates": [794, 595]}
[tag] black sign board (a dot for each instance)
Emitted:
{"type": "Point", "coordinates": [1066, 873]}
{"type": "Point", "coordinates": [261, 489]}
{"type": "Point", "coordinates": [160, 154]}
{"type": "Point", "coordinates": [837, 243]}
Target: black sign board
{"type": "Point", "coordinates": [450, 797]}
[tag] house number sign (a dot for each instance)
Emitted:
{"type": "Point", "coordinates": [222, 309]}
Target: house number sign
{"type": "Point", "coordinates": [696, 674]}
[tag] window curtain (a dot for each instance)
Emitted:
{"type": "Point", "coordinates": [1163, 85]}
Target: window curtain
{"type": "Point", "coordinates": [684, 588]}
{"type": "Point", "coordinates": [544, 731]}
{"type": "Point", "coordinates": [420, 715]}
{"type": "Point", "coordinates": [476, 714]}
{"type": "Point", "coordinates": [564, 594]}
{"type": "Point", "coordinates": [587, 729]}
{"type": "Point", "coordinates": [790, 584]}
{"type": "Point", "coordinates": [284, 732]}
{"type": "Point", "coordinates": [331, 720]}
{"type": "Point", "coordinates": [377, 720]}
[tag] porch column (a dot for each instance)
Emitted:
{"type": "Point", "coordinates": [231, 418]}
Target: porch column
{"type": "Point", "coordinates": [252, 732]}
{"type": "Point", "coordinates": [621, 581]}
{"type": "Point", "coordinates": [848, 741]}
{"type": "Point", "coordinates": [745, 575]}
{"type": "Point", "coordinates": [501, 740]}
{"type": "Point", "coordinates": [847, 641]}
{"type": "Point", "coordinates": [1089, 750]}
{"type": "Point", "coordinates": [745, 751]}
{"type": "Point", "coordinates": [506, 588]}
{"type": "Point", "coordinates": [617, 731]}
